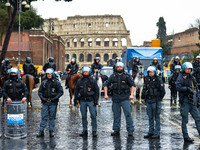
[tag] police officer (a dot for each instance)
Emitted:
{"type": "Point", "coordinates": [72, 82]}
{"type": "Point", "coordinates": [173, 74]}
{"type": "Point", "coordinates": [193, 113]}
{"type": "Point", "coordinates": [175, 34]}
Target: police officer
{"type": "Point", "coordinates": [196, 70]}
{"type": "Point", "coordinates": [121, 83]}
{"type": "Point", "coordinates": [176, 62]}
{"type": "Point", "coordinates": [117, 59]}
{"type": "Point", "coordinates": [153, 92]}
{"type": "Point", "coordinates": [14, 89]}
{"type": "Point", "coordinates": [96, 64]}
{"type": "Point", "coordinates": [72, 68]}
{"type": "Point", "coordinates": [29, 68]}
{"type": "Point", "coordinates": [188, 97]}
{"type": "Point", "coordinates": [49, 92]}
{"type": "Point", "coordinates": [135, 65]}
{"type": "Point", "coordinates": [87, 93]}
{"type": "Point", "coordinates": [157, 65]}
{"type": "Point", "coordinates": [196, 64]}
{"type": "Point", "coordinates": [50, 64]}
{"type": "Point", "coordinates": [5, 67]}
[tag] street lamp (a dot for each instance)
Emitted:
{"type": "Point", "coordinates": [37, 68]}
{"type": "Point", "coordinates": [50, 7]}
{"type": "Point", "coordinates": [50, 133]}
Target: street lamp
{"type": "Point", "coordinates": [172, 41]}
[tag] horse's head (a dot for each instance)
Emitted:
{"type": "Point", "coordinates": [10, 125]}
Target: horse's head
{"type": "Point", "coordinates": [96, 74]}
{"type": "Point", "coordinates": [140, 71]}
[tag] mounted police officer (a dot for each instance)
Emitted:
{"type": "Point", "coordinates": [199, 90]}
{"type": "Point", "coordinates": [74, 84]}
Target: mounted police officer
{"type": "Point", "coordinates": [121, 84]}
{"type": "Point", "coordinates": [14, 88]}
{"type": "Point", "coordinates": [50, 64]}
{"type": "Point", "coordinates": [72, 68]}
{"type": "Point", "coordinates": [176, 62]}
{"type": "Point", "coordinates": [153, 92]}
{"type": "Point", "coordinates": [196, 64]}
{"type": "Point", "coordinates": [87, 93]}
{"type": "Point", "coordinates": [49, 92]}
{"type": "Point", "coordinates": [5, 67]}
{"type": "Point", "coordinates": [135, 65]}
{"type": "Point", "coordinates": [189, 99]}
{"type": "Point", "coordinates": [156, 64]}
{"type": "Point", "coordinates": [96, 64]}
{"type": "Point", "coordinates": [28, 67]}
{"type": "Point", "coordinates": [117, 59]}
{"type": "Point", "coordinates": [196, 70]}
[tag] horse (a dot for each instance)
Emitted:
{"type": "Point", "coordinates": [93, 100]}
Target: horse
{"type": "Point", "coordinates": [72, 85]}
{"type": "Point", "coordinates": [30, 83]}
{"type": "Point", "coordinates": [139, 82]}
{"type": "Point", "coordinates": [172, 84]}
{"type": "Point", "coordinates": [97, 77]}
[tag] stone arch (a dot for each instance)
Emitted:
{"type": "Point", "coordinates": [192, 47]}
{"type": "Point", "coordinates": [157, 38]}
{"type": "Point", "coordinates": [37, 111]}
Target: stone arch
{"type": "Point", "coordinates": [115, 42]}
{"type": "Point", "coordinates": [114, 56]}
{"type": "Point", "coordinates": [105, 57]}
{"type": "Point", "coordinates": [124, 41]}
{"type": "Point", "coordinates": [106, 42]}
{"type": "Point", "coordinates": [90, 42]}
{"type": "Point", "coordinates": [89, 58]}
{"type": "Point", "coordinates": [81, 58]}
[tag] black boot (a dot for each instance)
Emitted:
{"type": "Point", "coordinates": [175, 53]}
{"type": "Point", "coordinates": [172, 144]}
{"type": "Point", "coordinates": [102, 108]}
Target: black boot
{"type": "Point", "coordinates": [115, 133]}
{"type": "Point", "coordinates": [51, 133]}
{"type": "Point", "coordinates": [94, 133]}
{"type": "Point", "coordinates": [84, 133]}
{"type": "Point", "coordinates": [149, 135]}
{"type": "Point", "coordinates": [40, 134]}
{"type": "Point", "coordinates": [188, 140]}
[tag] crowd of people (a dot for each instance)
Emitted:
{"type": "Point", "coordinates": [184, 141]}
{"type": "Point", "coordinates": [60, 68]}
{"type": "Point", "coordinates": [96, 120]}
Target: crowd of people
{"type": "Point", "coordinates": [123, 87]}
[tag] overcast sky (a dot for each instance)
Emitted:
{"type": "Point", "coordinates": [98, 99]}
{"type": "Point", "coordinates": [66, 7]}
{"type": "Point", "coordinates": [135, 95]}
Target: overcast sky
{"type": "Point", "coordinates": [140, 16]}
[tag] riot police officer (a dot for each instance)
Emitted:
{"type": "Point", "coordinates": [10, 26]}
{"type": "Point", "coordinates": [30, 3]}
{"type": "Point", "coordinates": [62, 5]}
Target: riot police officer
{"type": "Point", "coordinates": [96, 64]}
{"type": "Point", "coordinates": [176, 62]}
{"type": "Point", "coordinates": [135, 65]}
{"type": "Point", "coordinates": [189, 98]}
{"type": "Point", "coordinates": [50, 64]}
{"type": "Point", "coordinates": [49, 92]}
{"type": "Point", "coordinates": [117, 59]}
{"type": "Point", "coordinates": [196, 64]}
{"type": "Point", "coordinates": [87, 93]}
{"type": "Point", "coordinates": [29, 68]}
{"type": "Point", "coordinates": [196, 70]}
{"type": "Point", "coordinates": [153, 92]}
{"type": "Point", "coordinates": [14, 89]}
{"type": "Point", "coordinates": [157, 65]}
{"type": "Point", "coordinates": [5, 67]}
{"type": "Point", "coordinates": [121, 83]}
{"type": "Point", "coordinates": [72, 68]}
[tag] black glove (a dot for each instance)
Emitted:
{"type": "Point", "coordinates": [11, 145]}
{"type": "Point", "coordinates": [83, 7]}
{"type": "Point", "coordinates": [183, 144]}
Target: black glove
{"type": "Point", "coordinates": [95, 103]}
{"type": "Point", "coordinates": [191, 92]}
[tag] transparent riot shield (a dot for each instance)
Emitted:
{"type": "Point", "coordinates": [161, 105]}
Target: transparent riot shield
{"type": "Point", "coordinates": [15, 120]}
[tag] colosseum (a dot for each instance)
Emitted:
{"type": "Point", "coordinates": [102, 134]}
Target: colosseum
{"type": "Point", "coordinates": [87, 37]}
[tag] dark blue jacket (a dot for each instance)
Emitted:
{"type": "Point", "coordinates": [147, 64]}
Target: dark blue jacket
{"type": "Point", "coordinates": [135, 67]}
{"type": "Point", "coordinates": [122, 96]}
{"type": "Point", "coordinates": [86, 90]}
{"type": "Point", "coordinates": [96, 66]}
{"type": "Point", "coordinates": [50, 89]}
{"type": "Point", "coordinates": [183, 83]}
{"type": "Point", "coordinates": [172, 67]}
{"type": "Point", "coordinates": [49, 65]}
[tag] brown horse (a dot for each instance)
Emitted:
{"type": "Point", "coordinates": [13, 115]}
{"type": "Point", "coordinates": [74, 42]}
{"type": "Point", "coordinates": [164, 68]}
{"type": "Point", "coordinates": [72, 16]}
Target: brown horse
{"type": "Point", "coordinates": [30, 82]}
{"type": "Point", "coordinates": [72, 85]}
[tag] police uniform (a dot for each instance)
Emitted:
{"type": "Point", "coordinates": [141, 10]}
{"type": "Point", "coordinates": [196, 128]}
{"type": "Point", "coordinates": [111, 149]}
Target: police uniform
{"type": "Point", "coordinates": [189, 98]}
{"type": "Point", "coordinates": [29, 68]}
{"type": "Point", "coordinates": [96, 66]}
{"type": "Point", "coordinates": [153, 92]}
{"type": "Point", "coordinates": [15, 89]}
{"type": "Point", "coordinates": [196, 65]}
{"type": "Point", "coordinates": [157, 65]}
{"type": "Point", "coordinates": [135, 67]}
{"type": "Point", "coordinates": [87, 92]}
{"type": "Point", "coordinates": [172, 67]}
{"type": "Point", "coordinates": [74, 69]}
{"type": "Point", "coordinates": [121, 91]}
{"type": "Point", "coordinates": [5, 67]}
{"type": "Point", "coordinates": [114, 67]}
{"type": "Point", "coordinates": [49, 92]}
{"type": "Point", "coordinates": [49, 65]}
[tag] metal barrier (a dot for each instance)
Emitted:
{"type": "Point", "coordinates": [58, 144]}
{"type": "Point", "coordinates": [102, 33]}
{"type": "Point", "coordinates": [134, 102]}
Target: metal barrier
{"type": "Point", "coordinates": [15, 120]}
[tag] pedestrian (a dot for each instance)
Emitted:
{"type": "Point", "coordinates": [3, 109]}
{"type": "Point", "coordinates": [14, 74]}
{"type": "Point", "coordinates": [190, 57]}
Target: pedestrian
{"type": "Point", "coordinates": [123, 89]}
{"type": "Point", "coordinates": [87, 93]}
{"type": "Point", "coordinates": [49, 92]}
{"type": "Point", "coordinates": [188, 98]}
{"type": "Point", "coordinates": [153, 92]}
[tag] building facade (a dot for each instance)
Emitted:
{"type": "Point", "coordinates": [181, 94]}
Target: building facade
{"type": "Point", "coordinates": [87, 37]}
{"type": "Point", "coordinates": [37, 45]}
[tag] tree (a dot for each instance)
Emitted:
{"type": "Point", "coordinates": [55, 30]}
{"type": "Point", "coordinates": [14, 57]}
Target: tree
{"type": "Point", "coordinates": [11, 15]}
{"type": "Point", "coordinates": [161, 29]}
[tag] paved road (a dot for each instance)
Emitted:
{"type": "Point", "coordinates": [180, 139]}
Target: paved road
{"type": "Point", "coordinates": [68, 126]}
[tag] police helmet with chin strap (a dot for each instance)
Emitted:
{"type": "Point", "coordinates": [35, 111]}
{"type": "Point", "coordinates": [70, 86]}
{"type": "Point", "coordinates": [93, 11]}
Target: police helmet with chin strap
{"type": "Point", "coordinates": [119, 64]}
{"type": "Point", "coordinates": [187, 65]}
{"type": "Point", "coordinates": [198, 57]}
{"type": "Point", "coordinates": [13, 70]}
{"type": "Point", "coordinates": [151, 68]}
{"type": "Point", "coordinates": [86, 69]}
{"type": "Point", "coordinates": [177, 57]}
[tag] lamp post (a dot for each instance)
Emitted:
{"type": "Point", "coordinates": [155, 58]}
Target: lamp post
{"type": "Point", "coordinates": [172, 42]}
